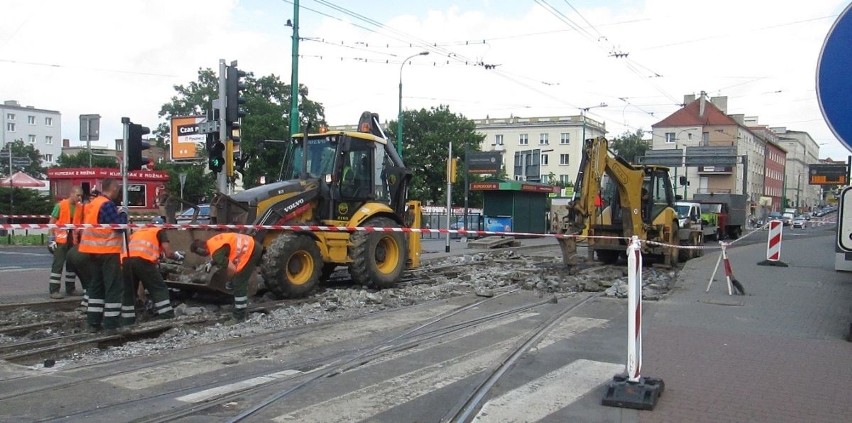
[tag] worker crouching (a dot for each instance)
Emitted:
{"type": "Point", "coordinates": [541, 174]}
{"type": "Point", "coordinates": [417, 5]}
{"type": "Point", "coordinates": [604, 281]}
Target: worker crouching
{"type": "Point", "coordinates": [237, 253]}
{"type": "Point", "coordinates": [144, 250]}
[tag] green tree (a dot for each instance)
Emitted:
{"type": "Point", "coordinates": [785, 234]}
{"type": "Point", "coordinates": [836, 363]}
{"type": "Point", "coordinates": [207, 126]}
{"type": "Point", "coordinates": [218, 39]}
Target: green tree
{"type": "Point", "coordinates": [81, 159]}
{"type": "Point", "coordinates": [630, 146]}
{"type": "Point", "coordinates": [267, 117]}
{"type": "Point", "coordinates": [21, 149]}
{"type": "Point", "coordinates": [426, 137]}
{"type": "Point", "coordinates": [24, 201]}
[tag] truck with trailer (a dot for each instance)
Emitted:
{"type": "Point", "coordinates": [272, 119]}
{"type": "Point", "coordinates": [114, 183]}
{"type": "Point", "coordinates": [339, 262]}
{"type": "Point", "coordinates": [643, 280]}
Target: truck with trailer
{"type": "Point", "coordinates": [728, 212]}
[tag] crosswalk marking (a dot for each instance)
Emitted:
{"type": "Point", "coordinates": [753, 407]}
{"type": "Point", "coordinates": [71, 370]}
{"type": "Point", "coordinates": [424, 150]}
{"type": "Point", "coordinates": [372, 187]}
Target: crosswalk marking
{"type": "Point", "coordinates": [363, 403]}
{"type": "Point", "coordinates": [568, 328]}
{"type": "Point", "coordinates": [371, 400]}
{"type": "Point", "coordinates": [233, 387]}
{"type": "Point", "coordinates": [157, 375]}
{"type": "Point", "coordinates": [11, 268]}
{"type": "Point", "coordinates": [549, 393]}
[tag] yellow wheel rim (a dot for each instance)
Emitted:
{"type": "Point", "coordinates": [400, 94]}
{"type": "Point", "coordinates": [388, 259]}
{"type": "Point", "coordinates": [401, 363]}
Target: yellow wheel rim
{"type": "Point", "coordinates": [299, 268]}
{"type": "Point", "coordinates": [387, 254]}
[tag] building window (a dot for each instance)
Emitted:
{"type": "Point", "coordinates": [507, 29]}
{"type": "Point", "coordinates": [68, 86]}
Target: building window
{"type": "Point", "coordinates": [564, 138]}
{"type": "Point", "coordinates": [564, 179]}
{"type": "Point", "coordinates": [523, 139]}
{"type": "Point", "coordinates": [10, 126]}
{"type": "Point", "coordinates": [10, 116]}
{"type": "Point", "coordinates": [48, 121]}
{"type": "Point", "coordinates": [670, 137]}
{"type": "Point", "coordinates": [705, 138]}
{"type": "Point", "coordinates": [543, 139]}
{"type": "Point", "coordinates": [31, 139]}
{"type": "Point", "coordinates": [498, 139]}
{"type": "Point", "coordinates": [31, 119]}
{"type": "Point", "coordinates": [544, 160]}
{"type": "Point", "coordinates": [563, 159]}
{"type": "Point", "coordinates": [48, 140]}
{"type": "Point", "coordinates": [48, 158]}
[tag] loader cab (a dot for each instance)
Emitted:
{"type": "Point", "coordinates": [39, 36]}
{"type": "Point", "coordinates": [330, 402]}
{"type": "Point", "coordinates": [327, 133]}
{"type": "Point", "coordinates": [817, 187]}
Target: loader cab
{"type": "Point", "coordinates": [351, 168]}
{"type": "Point", "coordinates": [657, 194]}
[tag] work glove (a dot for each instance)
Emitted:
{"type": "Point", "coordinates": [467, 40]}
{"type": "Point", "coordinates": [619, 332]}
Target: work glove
{"type": "Point", "coordinates": [179, 255]}
{"type": "Point", "coordinates": [208, 267]}
{"type": "Point", "coordinates": [51, 244]}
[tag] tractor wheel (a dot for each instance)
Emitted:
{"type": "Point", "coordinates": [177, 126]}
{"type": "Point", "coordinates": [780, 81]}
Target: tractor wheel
{"type": "Point", "coordinates": [700, 243]}
{"type": "Point", "coordinates": [607, 256]}
{"type": "Point", "coordinates": [378, 258]}
{"type": "Point", "coordinates": [291, 266]}
{"type": "Point", "coordinates": [672, 254]}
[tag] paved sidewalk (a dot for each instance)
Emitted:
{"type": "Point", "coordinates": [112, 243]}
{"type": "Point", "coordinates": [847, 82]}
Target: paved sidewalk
{"type": "Point", "coordinates": [777, 354]}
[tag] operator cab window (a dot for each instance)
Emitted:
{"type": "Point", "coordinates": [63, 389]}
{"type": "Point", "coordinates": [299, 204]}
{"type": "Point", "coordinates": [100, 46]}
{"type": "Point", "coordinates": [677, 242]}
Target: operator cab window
{"type": "Point", "coordinates": [356, 181]}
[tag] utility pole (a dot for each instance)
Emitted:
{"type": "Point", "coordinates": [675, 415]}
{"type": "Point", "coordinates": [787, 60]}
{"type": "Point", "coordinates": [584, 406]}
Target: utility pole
{"type": "Point", "coordinates": [399, 117]}
{"type": "Point", "coordinates": [294, 73]}
{"type": "Point", "coordinates": [449, 194]}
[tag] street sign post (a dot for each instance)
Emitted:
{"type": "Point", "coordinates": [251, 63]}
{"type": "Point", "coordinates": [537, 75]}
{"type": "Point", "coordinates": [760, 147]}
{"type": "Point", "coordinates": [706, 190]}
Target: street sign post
{"type": "Point", "coordinates": [833, 84]}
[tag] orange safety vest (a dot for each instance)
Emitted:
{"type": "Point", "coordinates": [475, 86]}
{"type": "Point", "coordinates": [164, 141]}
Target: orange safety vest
{"type": "Point", "coordinates": [66, 218]}
{"type": "Point", "coordinates": [144, 244]}
{"type": "Point", "coordinates": [242, 246]}
{"type": "Point", "coordinates": [98, 240]}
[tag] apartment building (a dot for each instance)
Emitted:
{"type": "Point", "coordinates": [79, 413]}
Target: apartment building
{"type": "Point", "coordinates": [802, 151]}
{"type": "Point", "coordinates": [539, 149]}
{"type": "Point", "coordinates": [40, 128]}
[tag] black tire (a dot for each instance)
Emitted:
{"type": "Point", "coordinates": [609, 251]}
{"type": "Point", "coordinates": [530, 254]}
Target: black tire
{"type": "Point", "coordinates": [291, 266]}
{"type": "Point", "coordinates": [672, 254]}
{"type": "Point", "coordinates": [378, 258]}
{"type": "Point", "coordinates": [608, 256]}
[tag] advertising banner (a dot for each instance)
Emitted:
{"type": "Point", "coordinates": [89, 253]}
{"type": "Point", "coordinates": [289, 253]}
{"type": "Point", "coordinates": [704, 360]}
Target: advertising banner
{"type": "Point", "coordinates": [185, 137]}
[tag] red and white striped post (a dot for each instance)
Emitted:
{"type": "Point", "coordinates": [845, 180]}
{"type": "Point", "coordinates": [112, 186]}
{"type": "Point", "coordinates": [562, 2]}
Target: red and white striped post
{"type": "Point", "coordinates": [631, 390]}
{"type": "Point", "coordinates": [773, 245]}
{"type": "Point", "coordinates": [634, 310]}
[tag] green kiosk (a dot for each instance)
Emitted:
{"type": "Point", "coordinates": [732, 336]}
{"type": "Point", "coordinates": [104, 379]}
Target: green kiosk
{"type": "Point", "coordinates": [514, 206]}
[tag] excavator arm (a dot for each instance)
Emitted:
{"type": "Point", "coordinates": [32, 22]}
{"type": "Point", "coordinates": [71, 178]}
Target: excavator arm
{"type": "Point", "coordinates": [597, 161]}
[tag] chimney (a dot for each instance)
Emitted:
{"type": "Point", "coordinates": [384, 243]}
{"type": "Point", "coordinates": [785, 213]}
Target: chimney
{"type": "Point", "coordinates": [739, 118]}
{"type": "Point", "coordinates": [702, 102]}
{"type": "Point", "coordinates": [721, 102]}
{"type": "Point", "coordinates": [688, 98]}
{"type": "Point", "coordinates": [66, 143]}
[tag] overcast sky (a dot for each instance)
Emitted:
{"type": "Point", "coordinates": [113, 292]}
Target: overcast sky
{"type": "Point", "coordinates": [544, 57]}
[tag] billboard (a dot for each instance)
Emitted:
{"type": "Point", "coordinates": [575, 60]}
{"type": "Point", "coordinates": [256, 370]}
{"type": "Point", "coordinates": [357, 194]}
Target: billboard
{"type": "Point", "coordinates": [827, 174]}
{"type": "Point", "coordinates": [185, 137]}
{"type": "Point", "coordinates": [484, 163]}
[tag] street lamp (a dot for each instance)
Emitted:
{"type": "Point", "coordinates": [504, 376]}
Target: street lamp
{"type": "Point", "coordinates": [399, 118]}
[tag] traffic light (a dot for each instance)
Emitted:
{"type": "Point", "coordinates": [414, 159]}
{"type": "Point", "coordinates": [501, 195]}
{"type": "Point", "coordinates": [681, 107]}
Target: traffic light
{"type": "Point", "coordinates": [452, 169]}
{"type": "Point", "coordinates": [215, 154]}
{"type": "Point", "coordinates": [233, 100]}
{"type": "Point", "coordinates": [135, 146]}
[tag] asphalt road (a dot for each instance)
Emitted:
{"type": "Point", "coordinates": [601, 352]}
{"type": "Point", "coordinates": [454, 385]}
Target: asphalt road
{"type": "Point", "coordinates": [14, 258]}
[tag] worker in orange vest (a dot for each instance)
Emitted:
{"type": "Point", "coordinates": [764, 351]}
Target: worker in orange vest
{"type": "Point", "coordinates": [67, 211]}
{"type": "Point", "coordinates": [144, 250]}
{"type": "Point", "coordinates": [103, 247]}
{"type": "Point", "coordinates": [237, 253]}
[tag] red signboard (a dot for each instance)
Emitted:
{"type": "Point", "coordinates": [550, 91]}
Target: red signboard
{"type": "Point", "coordinates": [98, 172]}
{"type": "Point", "coordinates": [484, 186]}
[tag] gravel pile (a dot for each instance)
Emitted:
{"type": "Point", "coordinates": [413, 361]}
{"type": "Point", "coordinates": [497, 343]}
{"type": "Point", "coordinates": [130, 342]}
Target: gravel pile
{"type": "Point", "coordinates": [484, 274]}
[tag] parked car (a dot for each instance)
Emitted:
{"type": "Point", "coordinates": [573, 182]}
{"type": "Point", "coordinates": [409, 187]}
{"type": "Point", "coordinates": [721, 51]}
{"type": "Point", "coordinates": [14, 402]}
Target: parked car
{"type": "Point", "coordinates": [203, 217]}
{"type": "Point", "coordinates": [800, 222]}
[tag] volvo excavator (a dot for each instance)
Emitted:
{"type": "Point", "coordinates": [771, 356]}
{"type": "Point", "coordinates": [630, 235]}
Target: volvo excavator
{"type": "Point", "coordinates": [617, 200]}
{"type": "Point", "coordinates": [340, 179]}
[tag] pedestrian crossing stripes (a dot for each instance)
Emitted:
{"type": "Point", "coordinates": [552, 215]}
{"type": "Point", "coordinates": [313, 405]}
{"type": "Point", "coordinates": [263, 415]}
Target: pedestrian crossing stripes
{"type": "Point", "coordinates": [10, 269]}
{"type": "Point", "coordinates": [233, 387]}
{"type": "Point", "coordinates": [543, 396]}
{"type": "Point", "coordinates": [369, 401]}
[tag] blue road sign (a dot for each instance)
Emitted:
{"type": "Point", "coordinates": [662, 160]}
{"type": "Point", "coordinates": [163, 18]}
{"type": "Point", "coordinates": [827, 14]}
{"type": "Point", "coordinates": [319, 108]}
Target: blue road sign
{"type": "Point", "coordinates": [834, 78]}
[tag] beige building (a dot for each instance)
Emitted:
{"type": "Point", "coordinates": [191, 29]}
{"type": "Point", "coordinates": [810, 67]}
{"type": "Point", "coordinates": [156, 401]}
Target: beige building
{"type": "Point", "coordinates": [539, 149]}
{"type": "Point", "coordinates": [802, 151]}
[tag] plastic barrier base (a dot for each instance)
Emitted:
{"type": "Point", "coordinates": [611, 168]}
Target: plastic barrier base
{"type": "Point", "coordinates": [641, 395]}
{"type": "Point", "coordinates": [777, 263]}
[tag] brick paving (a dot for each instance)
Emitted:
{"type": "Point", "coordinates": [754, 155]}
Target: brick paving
{"type": "Point", "coordinates": [775, 355]}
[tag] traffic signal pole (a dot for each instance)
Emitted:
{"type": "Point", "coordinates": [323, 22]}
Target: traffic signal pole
{"type": "Point", "coordinates": [222, 177]}
{"type": "Point", "coordinates": [294, 73]}
{"type": "Point", "coordinates": [125, 121]}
